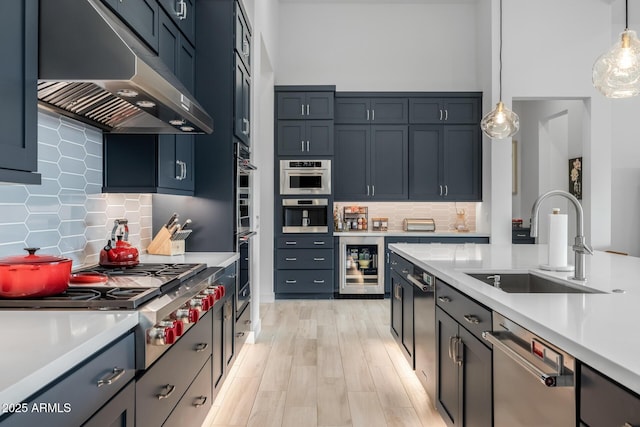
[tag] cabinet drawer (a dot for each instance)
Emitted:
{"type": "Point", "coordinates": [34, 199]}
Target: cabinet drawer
{"type": "Point", "coordinates": [243, 327]}
{"type": "Point", "coordinates": [309, 259]}
{"type": "Point", "coordinates": [171, 374]}
{"type": "Point", "coordinates": [119, 411]}
{"type": "Point", "coordinates": [81, 390]}
{"type": "Point", "coordinates": [604, 403]}
{"type": "Point", "coordinates": [475, 317]}
{"type": "Point", "coordinates": [400, 265]}
{"type": "Point", "coordinates": [196, 402]}
{"type": "Point", "coordinates": [309, 281]}
{"type": "Point", "coordinates": [293, 242]}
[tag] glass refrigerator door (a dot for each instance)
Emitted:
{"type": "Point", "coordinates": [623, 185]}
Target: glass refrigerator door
{"type": "Point", "coordinates": [361, 265]}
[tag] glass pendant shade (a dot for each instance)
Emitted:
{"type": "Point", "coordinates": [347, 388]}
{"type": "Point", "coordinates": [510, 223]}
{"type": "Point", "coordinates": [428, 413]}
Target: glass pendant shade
{"type": "Point", "coordinates": [616, 73]}
{"type": "Point", "coordinates": [500, 123]}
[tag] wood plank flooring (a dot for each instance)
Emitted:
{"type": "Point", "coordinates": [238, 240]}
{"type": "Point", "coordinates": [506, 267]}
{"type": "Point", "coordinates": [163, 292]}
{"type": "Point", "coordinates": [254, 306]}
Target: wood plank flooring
{"type": "Point", "coordinates": [323, 363]}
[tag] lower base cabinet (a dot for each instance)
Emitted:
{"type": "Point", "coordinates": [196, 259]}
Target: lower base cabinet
{"type": "Point", "coordinates": [119, 411]}
{"type": "Point", "coordinates": [194, 406]}
{"type": "Point", "coordinates": [464, 385]}
{"type": "Point", "coordinates": [243, 327]}
{"type": "Point", "coordinates": [604, 403]}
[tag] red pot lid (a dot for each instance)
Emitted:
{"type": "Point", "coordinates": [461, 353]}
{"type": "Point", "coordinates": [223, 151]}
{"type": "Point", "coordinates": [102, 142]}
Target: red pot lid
{"type": "Point", "coordinates": [32, 258]}
{"type": "Point", "coordinates": [88, 278]}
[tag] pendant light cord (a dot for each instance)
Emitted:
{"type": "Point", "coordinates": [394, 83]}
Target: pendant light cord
{"type": "Point", "coordinates": [500, 53]}
{"type": "Point", "coordinates": [626, 14]}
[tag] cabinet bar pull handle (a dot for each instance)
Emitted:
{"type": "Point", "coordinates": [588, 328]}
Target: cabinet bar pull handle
{"type": "Point", "coordinates": [318, 282]}
{"type": "Point", "coordinates": [182, 10]}
{"type": "Point", "coordinates": [245, 48]}
{"type": "Point", "coordinates": [301, 145]}
{"type": "Point", "coordinates": [387, 257]}
{"type": "Point", "coordinates": [457, 359]}
{"type": "Point", "coordinates": [405, 271]}
{"type": "Point", "coordinates": [291, 282]}
{"type": "Point", "coordinates": [441, 190]}
{"type": "Point", "coordinates": [318, 242]}
{"type": "Point", "coordinates": [291, 259]}
{"type": "Point", "coordinates": [444, 299]}
{"type": "Point", "coordinates": [367, 114]}
{"type": "Point", "coordinates": [373, 191]}
{"type": "Point", "coordinates": [367, 190]}
{"type": "Point", "coordinates": [373, 115]}
{"type": "Point", "coordinates": [239, 334]}
{"type": "Point", "coordinates": [441, 114]}
{"type": "Point", "coordinates": [307, 146]}
{"type": "Point", "coordinates": [307, 109]}
{"type": "Point", "coordinates": [200, 402]}
{"type": "Point", "coordinates": [446, 190]}
{"type": "Point", "coordinates": [451, 347]}
{"type": "Point", "coordinates": [200, 347]}
{"type": "Point", "coordinates": [471, 319]}
{"type": "Point", "coordinates": [245, 122]}
{"type": "Point", "coordinates": [302, 106]}
{"type": "Point", "coordinates": [446, 115]}
{"type": "Point", "coordinates": [290, 243]}
{"type": "Point", "coordinates": [166, 392]}
{"type": "Point", "coordinates": [112, 377]}
{"type": "Point", "coordinates": [318, 259]}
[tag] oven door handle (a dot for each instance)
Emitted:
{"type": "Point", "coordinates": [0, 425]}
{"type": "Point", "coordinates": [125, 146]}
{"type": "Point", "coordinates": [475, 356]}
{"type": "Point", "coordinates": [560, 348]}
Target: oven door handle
{"type": "Point", "coordinates": [245, 164]}
{"type": "Point", "coordinates": [549, 380]}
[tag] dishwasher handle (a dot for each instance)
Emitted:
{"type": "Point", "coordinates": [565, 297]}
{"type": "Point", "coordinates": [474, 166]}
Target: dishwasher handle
{"type": "Point", "coordinates": [419, 284]}
{"type": "Point", "coordinates": [549, 380]}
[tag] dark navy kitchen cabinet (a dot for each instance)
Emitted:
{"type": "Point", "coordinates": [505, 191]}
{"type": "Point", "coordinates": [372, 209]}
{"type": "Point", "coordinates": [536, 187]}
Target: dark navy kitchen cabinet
{"type": "Point", "coordinates": [18, 85]}
{"type": "Point", "coordinates": [371, 162]}
{"type": "Point", "coordinates": [350, 110]}
{"type": "Point", "coordinates": [242, 103]}
{"type": "Point", "coordinates": [306, 105]}
{"type": "Point", "coordinates": [242, 36]}
{"type": "Point", "coordinates": [445, 163]}
{"type": "Point", "coordinates": [305, 137]}
{"type": "Point", "coordinates": [156, 163]}
{"type": "Point", "coordinates": [141, 16]}
{"type": "Point", "coordinates": [448, 110]}
{"type": "Point", "coordinates": [182, 13]}
{"type": "Point", "coordinates": [119, 411]}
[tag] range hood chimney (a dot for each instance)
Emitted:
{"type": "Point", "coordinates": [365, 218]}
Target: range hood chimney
{"type": "Point", "coordinates": [93, 69]}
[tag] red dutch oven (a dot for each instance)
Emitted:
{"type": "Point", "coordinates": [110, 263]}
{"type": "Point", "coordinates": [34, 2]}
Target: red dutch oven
{"type": "Point", "coordinates": [33, 275]}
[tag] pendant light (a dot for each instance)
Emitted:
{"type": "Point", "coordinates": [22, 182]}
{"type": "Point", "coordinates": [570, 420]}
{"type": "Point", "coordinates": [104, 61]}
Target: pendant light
{"type": "Point", "coordinates": [616, 73]}
{"type": "Point", "coordinates": [501, 122]}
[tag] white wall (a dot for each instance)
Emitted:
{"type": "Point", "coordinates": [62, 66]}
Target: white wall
{"type": "Point", "coordinates": [391, 46]}
{"type": "Point", "coordinates": [264, 19]}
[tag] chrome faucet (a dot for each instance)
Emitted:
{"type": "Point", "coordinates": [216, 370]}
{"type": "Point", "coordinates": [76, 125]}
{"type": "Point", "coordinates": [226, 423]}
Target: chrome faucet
{"type": "Point", "coordinates": [580, 247]}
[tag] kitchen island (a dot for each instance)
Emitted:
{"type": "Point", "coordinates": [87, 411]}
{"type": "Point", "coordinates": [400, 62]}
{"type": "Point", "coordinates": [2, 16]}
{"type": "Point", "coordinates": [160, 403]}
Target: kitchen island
{"type": "Point", "coordinates": [598, 329]}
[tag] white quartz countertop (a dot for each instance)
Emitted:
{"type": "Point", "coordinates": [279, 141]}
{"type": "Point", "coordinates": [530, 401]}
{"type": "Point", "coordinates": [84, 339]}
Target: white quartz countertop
{"type": "Point", "coordinates": [401, 233]}
{"type": "Point", "coordinates": [40, 345]}
{"type": "Point", "coordinates": [212, 259]}
{"type": "Point", "coordinates": [600, 329]}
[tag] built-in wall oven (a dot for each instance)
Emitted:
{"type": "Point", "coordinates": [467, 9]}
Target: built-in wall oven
{"type": "Point", "coordinates": [244, 230]}
{"type": "Point", "coordinates": [305, 177]}
{"type": "Point", "coordinates": [305, 215]}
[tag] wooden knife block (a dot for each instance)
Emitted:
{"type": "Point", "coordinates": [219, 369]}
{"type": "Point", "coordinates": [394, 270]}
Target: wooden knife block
{"type": "Point", "coordinates": [163, 245]}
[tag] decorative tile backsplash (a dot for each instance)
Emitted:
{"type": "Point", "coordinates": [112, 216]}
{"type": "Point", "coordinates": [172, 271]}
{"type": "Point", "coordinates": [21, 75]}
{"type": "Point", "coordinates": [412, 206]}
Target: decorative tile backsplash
{"type": "Point", "coordinates": [444, 214]}
{"type": "Point", "coordinates": [68, 215]}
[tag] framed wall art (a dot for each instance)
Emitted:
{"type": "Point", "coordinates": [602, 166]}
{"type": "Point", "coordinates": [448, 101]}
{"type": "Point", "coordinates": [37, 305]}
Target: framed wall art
{"type": "Point", "coordinates": [575, 177]}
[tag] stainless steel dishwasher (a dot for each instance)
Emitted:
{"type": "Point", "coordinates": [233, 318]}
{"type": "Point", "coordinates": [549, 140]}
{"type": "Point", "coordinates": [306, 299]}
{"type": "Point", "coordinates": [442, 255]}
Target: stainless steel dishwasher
{"type": "Point", "coordinates": [424, 328]}
{"type": "Point", "coordinates": [533, 381]}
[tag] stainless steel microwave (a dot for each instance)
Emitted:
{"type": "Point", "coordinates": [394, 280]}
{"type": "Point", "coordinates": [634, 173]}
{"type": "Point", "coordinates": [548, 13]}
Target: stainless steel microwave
{"type": "Point", "coordinates": [305, 177]}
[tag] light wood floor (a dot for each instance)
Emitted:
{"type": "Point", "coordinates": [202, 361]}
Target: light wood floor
{"type": "Point", "coordinates": [323, 363]}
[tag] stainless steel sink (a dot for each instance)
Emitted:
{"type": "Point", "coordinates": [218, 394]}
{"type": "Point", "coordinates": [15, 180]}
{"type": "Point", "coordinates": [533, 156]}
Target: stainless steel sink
{"type": "Point", "coordinates": [528, 283]}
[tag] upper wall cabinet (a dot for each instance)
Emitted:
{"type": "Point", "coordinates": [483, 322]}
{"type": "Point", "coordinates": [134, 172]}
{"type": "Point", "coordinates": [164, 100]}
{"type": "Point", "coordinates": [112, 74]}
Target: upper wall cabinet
{"type": "Point", "coordinates": [19, 106]}
{"type": "Point", "coordinates": [305, 105]}
{"type": "Point", "coordinates": [379, 111]}
{"type": "Point", "coordinates": [141, 16]}
{"type": "Point", "coordinates": [182, 12]}
{"type": "Point", "coordinates": [242, 36]}
{"type": "Point", "coordinates": [449, 110]}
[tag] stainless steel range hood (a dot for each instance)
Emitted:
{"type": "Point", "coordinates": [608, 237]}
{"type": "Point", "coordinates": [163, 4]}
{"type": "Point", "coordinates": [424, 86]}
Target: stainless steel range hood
{"type": "Point", "coordinates": [93, 69]}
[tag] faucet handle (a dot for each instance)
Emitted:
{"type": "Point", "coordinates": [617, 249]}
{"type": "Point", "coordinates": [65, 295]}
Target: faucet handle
{"type": "Point", "coordinates": [580, 246]}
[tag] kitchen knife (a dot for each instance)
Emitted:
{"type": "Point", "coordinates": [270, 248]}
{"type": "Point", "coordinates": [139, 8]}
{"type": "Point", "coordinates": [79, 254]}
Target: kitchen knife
{"type": "Point", "coordinates": [171, 221]}
{"type": "Point", "coordinates": [185, 225]}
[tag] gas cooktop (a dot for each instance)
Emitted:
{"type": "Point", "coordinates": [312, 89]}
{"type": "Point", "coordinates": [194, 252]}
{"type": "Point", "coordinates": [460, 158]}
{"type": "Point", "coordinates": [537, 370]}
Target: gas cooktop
{"type": "Point", "coordinates": [124, 288]}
